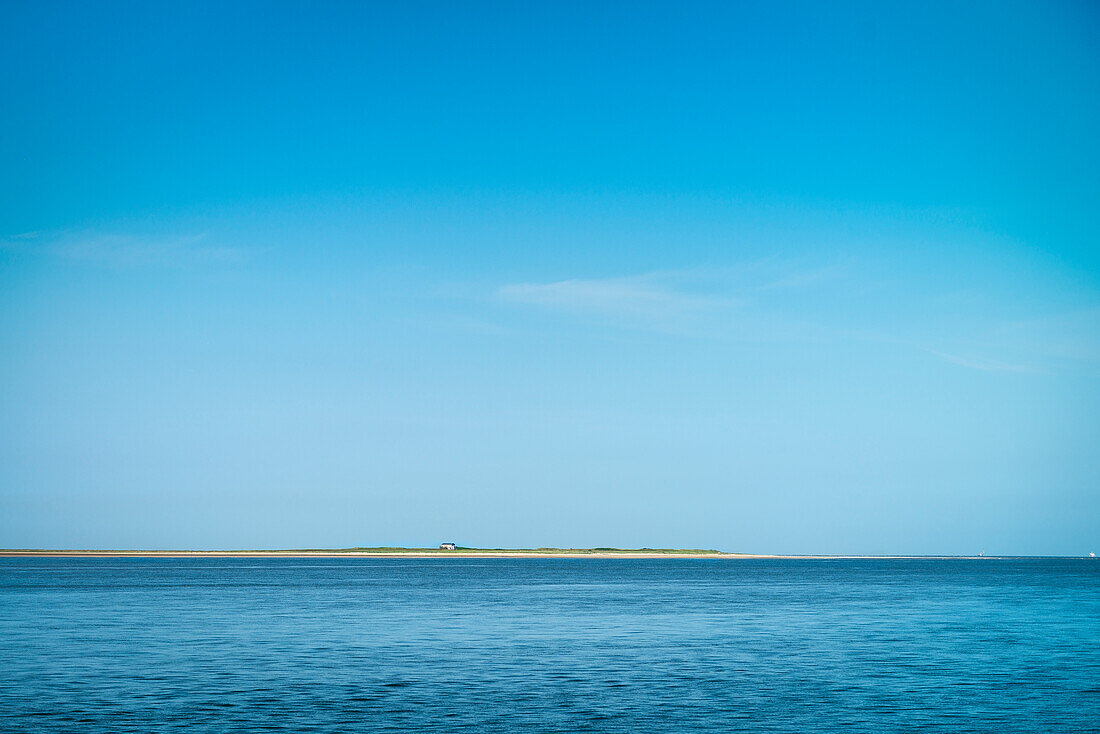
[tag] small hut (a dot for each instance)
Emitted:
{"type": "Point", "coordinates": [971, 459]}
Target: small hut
{"type": "Point", "coordinates": [447, 546]}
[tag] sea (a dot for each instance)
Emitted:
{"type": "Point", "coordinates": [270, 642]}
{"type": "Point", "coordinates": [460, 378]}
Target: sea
{"type": "Point", "coordinates": [549, 645]}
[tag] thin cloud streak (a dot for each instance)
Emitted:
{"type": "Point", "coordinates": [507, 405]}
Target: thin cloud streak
{"type": "Point", "coordinates": [124, 250]}
{"type": "Point", "coordinates": [639, 296]}
{"type": "Point", "coordinates": [801, 279]}
{"type": "Point", "coordinates": [980, 363]}
{"type": "Point", "coordinates": [721, 304]}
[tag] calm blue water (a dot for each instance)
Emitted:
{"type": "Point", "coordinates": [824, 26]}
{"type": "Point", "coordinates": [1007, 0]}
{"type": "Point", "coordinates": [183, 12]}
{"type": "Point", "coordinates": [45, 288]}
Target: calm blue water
{"type": "Point", "coordinates": [149, 645]}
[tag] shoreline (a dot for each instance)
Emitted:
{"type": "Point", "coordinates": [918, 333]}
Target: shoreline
{"type": "Point", "coordinates": [431, 553]}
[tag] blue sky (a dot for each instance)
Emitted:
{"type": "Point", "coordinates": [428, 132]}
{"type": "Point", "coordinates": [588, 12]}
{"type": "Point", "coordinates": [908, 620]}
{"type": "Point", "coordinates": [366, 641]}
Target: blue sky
{"type": "Point", "coordinates": [776, 277]}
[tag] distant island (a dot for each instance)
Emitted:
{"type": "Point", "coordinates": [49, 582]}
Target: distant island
{"type": "Point", "coordinates": [445, 550]}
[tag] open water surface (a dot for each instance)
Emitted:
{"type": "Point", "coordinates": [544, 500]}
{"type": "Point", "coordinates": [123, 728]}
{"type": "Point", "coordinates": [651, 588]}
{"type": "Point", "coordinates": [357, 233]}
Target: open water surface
{"type": "Point", "coordinates": [549, 645]}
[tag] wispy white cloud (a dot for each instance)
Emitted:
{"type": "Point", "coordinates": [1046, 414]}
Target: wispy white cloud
{"type": "Point", "coordinates": [647, 296]}
{"type": "Point", "coordinates": [122, 250]}
{"type": "Point", "coordinates": [713, 303]}
{"type": "Point", "coordinates": [138, 250]}
{"type": "Point", "coordinates": [799, 279]}
{"type": "Point", "coordinates": [1055, 342]}
{"type": "Point", "coordinates": [772, 301]}
{"type": "Point", "coordinates": [1072, 336]}
{"type": "Point", "coordinates": [981, 363]}
{"type": "Point", "coordinates": [15, 240]}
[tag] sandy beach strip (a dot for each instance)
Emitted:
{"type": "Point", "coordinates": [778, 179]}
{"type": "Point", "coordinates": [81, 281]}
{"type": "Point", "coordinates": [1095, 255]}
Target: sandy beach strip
{"type": "Point", "coordinates": [429, 553]}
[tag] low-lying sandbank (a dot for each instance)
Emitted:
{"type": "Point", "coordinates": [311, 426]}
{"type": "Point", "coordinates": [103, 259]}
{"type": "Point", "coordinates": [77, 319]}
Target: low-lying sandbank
{"type": "Point", "coordinates": [649, 553]}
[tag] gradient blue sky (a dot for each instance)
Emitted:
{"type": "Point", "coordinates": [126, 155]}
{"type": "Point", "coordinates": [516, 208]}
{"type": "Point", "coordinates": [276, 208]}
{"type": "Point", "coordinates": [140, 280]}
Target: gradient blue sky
{"type": "Point", "coordinates": [776, 277]}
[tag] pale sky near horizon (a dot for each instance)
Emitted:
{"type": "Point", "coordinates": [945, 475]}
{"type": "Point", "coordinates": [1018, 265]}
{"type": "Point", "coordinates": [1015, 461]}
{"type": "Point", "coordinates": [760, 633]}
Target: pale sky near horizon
{"type": "Point", "coordinates": [762, 276]}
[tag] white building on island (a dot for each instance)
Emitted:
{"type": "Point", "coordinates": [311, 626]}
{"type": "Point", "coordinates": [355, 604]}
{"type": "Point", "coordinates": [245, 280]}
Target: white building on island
{"type": "Point", "coordinates": [447, 546]}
